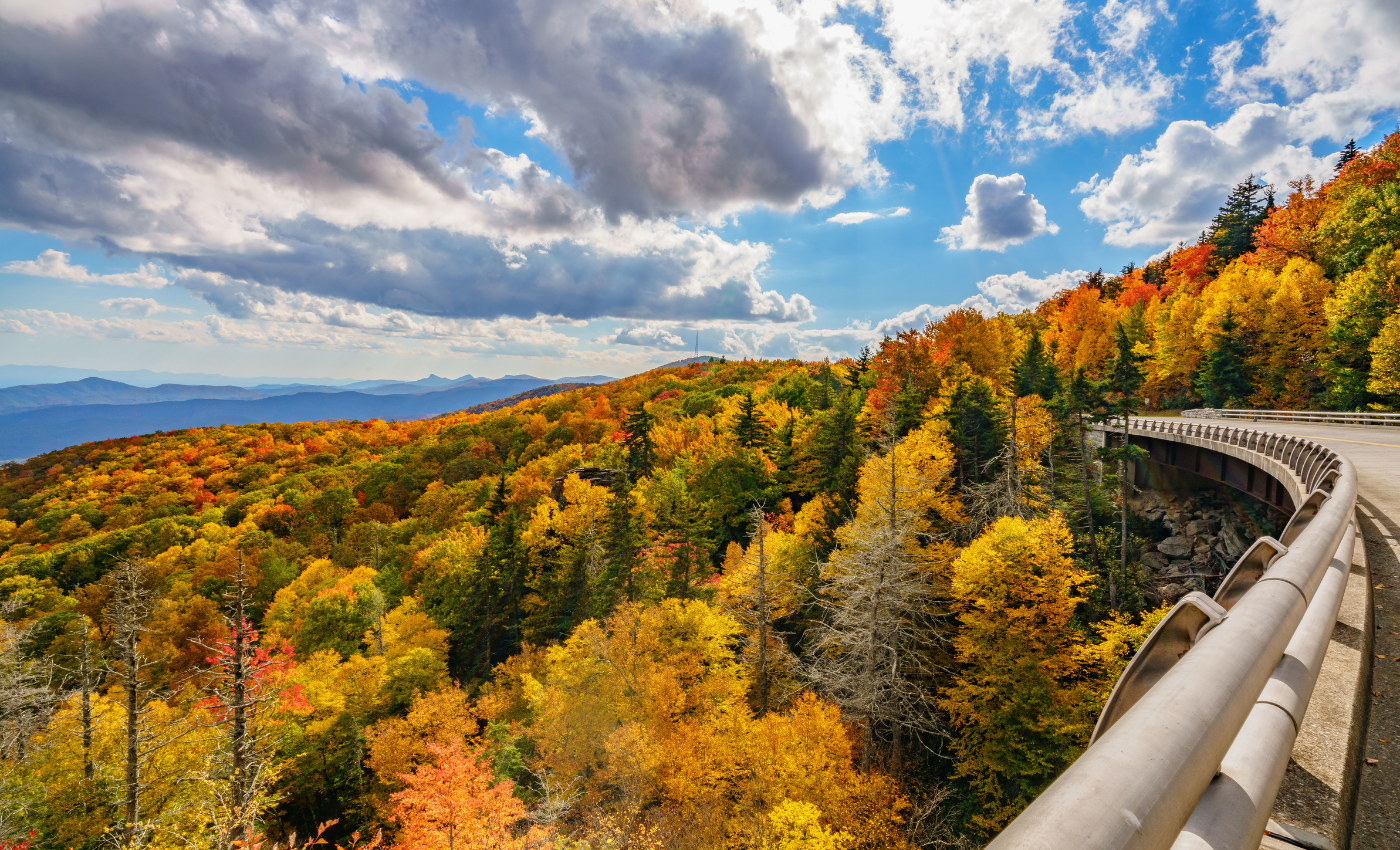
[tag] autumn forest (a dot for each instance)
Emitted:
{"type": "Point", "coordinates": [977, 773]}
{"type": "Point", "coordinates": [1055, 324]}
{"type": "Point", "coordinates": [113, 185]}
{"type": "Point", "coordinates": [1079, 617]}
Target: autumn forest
{"type": "Point", "coordinates": [873, 603]}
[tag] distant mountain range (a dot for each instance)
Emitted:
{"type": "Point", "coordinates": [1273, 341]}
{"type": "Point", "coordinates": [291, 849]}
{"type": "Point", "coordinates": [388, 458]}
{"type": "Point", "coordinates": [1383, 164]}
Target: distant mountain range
{"type": "Point", "coordinates": [39, 418]}
{"type": "Point", "coordinates": [17, 375]}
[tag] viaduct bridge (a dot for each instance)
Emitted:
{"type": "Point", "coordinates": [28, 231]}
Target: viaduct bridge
{"type": "Point", "coordinates": [1268, 714]}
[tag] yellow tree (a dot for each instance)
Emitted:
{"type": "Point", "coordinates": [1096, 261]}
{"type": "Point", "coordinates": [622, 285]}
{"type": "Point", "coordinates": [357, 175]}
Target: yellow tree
{"type": "Point", "coordinates": [1385, 360]}
{"type": "Point", "coordinates": [1017, 705]}
{"type": "Point", "coordinates": [881, 589]}
{"type": "Point", "coordinates": [757, 589]}
{"type": "Point", "coordinates": [644, 704]}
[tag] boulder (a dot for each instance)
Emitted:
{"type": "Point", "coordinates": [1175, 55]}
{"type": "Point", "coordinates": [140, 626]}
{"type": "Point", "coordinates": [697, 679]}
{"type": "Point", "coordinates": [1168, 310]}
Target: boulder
{"type": "Point", "coordinates": [1235, 540]}
{"type": "Point", "coordinates": [1175, 547]}
{"type": "Point", "coordinates": [1155, 561]}
{"type": "Point", "coordinates": [1172, 592]}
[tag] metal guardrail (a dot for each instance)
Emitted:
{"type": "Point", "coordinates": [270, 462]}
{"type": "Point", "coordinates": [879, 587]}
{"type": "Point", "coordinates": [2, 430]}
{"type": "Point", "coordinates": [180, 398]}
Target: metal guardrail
{"type": "Point", "coordinates": [1192, 745]}
{"type": "Point", "coordinates": [1331, 417]}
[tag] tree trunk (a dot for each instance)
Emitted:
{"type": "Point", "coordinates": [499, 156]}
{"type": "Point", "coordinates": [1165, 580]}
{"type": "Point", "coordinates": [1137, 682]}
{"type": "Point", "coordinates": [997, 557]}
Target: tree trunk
{"type": "Point", "coordinates": [85, 672]}
{"type": "Point", "coordinates": [1123, 487]}
{"type": "Point", "coordinates": [762, 621]}
{"type": "Point", "coordinates": [239, 791]}
{"type": "Point", "coordinates": [132, 682]}
{"type": "Point", "coordinates": [1012, 482]}
{"type": "Point", "coordinates": [1084, 477]}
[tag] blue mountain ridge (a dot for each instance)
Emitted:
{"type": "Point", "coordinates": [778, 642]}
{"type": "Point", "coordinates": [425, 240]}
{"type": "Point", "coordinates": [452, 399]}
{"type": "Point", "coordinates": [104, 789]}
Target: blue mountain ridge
{"type": "Point", "coordinates": [26, 433]}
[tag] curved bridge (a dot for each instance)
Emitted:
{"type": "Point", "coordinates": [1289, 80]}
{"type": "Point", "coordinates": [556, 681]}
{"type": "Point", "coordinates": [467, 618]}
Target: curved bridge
{"type": "Point", "coordinates": [1195, 742]}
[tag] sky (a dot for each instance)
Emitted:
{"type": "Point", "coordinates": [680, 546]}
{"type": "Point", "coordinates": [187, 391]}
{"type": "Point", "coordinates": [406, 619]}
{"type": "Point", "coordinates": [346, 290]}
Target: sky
{"type": "Point", "coordinates": [389, 188]}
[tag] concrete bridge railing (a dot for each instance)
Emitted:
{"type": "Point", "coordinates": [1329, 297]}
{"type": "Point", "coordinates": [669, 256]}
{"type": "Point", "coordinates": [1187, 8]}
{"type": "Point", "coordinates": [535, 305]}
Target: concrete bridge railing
{"type": "Point", "coordinates": [1325, 417]}
{"type": "Point", "coordinates": [1192, 746]}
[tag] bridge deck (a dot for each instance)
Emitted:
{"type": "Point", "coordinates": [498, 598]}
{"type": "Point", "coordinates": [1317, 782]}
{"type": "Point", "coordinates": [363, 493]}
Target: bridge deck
{"type": "Point", "coordinates": [1376, 453]}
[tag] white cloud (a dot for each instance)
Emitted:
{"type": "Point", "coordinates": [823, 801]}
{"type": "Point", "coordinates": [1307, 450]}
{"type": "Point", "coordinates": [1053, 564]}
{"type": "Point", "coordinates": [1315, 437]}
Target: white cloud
{"type": "Point", "coordinates": [14, 326]}
{"type": "Point", "coordinates": [1336, 62]}
{"type": "Point", "coordinates": [940, 44]}
{"type": "Point", "coordinates": [861, 217]}
{"type": "Point", "coordinates": [999, 214]}
{"type": "Point", "coordinates": [999, 293]}
{"type": "Point", "coordinates": [55, 264]}
{"type": "Point", "coordinates": [650, 335]}
{"type": "Point", "coordinates": [139, 306]}
{"type": "Point", "coordinates": [1123, 24]}
{"type": "Point", "coordinates": [68, 325]}
{"type": "Point", "coordinates": [1106, 101]}
{"type": "Point", "coordinates": [1169, 192]}
{"type": "Point", "coordinates": [846, 218]}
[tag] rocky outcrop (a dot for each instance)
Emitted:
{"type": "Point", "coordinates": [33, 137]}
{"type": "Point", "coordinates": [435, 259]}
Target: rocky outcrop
{"type": "Point", "coordinates": [1206, 533]}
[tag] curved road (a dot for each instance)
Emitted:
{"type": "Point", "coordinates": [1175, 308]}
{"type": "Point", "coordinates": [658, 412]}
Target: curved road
{"type": "Point", "coordinates": [1376, 453]}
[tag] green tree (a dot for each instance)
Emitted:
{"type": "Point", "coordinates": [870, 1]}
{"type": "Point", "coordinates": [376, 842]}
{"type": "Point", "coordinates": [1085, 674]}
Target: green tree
{"type": "Point", "coordinates": [1035, 371]}
{"type": "Point", "coordinates": [908, 408]}
{"type": "Point", "coordinates": [1223, 380]}
{"type": "Point", "coordinates": [1124, 381]}
{"type": "Point", "coordinates": [625, 537]}
{"type": "Point", "coordinates": [977, 427]}
{"type": "Point", "coordinates": [1350, 152]}
{"type": "Point", "coordinates": [1085, 400]}
{"type": "Point", "coordinates": [750, 431]}
{"type": "Point", "coordinates": [1232, 229]}
{"type": "Point", "coordinates": [640, 452]}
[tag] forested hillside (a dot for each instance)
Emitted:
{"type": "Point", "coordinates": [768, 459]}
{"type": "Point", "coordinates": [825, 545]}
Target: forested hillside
{"type": "Point", "coordinates": [868, 604]}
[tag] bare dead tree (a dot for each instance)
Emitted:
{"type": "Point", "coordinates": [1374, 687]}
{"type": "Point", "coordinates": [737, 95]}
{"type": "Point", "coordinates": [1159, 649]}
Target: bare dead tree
{"type": "Point", "coordinates": [873, 653]}
{"type": "Point", "coordinates": [26, 704]}
{"type": "Point", "coordinates": [243, 686]}
{"type": "Point", "coordinates": [133, 594]}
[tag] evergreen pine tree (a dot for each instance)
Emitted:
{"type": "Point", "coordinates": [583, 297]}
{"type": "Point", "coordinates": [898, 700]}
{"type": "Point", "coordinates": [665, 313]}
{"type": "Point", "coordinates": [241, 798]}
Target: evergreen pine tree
{"type": "Point", "coordinates": [862, 365]}
{"type": "Point", "coordinates": [497, 503]}
{"type": "Point", "coordinates": [1232, 229]}
{"type": "Point", "coordinates": [640, 455]}
{"type": "Point", "coordinates": [1124, 381]}
{"type": "Point", "coordinates": [1350, 152]}
{"type": "Point", "coordinates": [624, 541]}
{"type": "Point", "coordinates": [1035, 371]}
{"type": "Point", "coordinates": [838, 448]}
{"type": "Point", "coordinates": [977, 430]}
{"type": "Point", "coordinates": [750, 431]}
{"type": "Point", "coordinates": [783, 456]}
{"type": "Point", "coordinates": [1223, 379]}
{"type": "Point", "coordinates": [908, 408]}
{"type": "Point", "coordinates": [1085, 400]}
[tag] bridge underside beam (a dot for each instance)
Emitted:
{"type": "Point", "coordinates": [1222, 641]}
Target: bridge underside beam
{"type": "Point", "coordinates": [1215, 466]}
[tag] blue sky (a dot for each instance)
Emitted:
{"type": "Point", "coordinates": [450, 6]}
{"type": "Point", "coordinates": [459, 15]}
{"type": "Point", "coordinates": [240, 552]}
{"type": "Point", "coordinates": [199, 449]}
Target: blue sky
{"type": "Point", "coordinates": [561, 188]}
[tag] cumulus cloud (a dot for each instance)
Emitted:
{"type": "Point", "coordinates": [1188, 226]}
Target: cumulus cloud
{"type": "Point", "coordinates": [139, 306]}
{"type": "Point", "coordinates": [940, 44]}
{"type": "Point", "coordinates": [1170, 191]}
{"type": "Point", "coordinates": [55, 264]}
{"type": "Point", "coordinates": [999, 293]}
{"type": "Point", "coordinates": [1336, 63]}
{"type": "Point", "coordinates": [253, 141]}
{"type": "Point", "coordinates": [999, 214]}
{"type": "Point", "coordinates": [1106, 101]}
{"type": "Point", "coordinates": [650, 335]}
